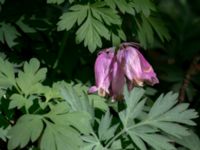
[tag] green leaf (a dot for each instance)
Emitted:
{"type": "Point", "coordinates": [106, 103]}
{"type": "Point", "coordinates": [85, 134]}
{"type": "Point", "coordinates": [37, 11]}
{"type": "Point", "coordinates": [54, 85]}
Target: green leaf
{"type": "Point", "coordinates": [123, 6]}
{"type": "Point", "coordinates": [2, 93]}
{"type": "Point", "coordinates": [106, 130]}
{"type": "Point", "coordinates": [57, 137]}
{"type": "Point", "coordinates": [159, 28]}
{"type": "Point", "coordinates": [4, 133]}
{"type": "Point", "coordinates": [164, 109]}
{"type": "Point", "coordinates": [145, 33]}
{"type": "Point", "coordinates": [91, 142]}
{"type": "Point", "coordinates": [116, 38]}
{"type": "Point", "coordinates": [91, 32]}
{"type": "Point", "coordinates": [192, 141]}
{"type": "Point", "coordinates": [146, 28]}
{"type": "Point", "coordinates": [55, 1]}
{"type": "Point", "coordinates": [8, 34]}
{"type": "Point", "coordinates": [172, 128]}
{"type": "Point", "coordinates": [50, 92]}
{"type": "Point", "coordinates": [143, 134]}
{"type": "Point", "coordinates": [133, 104]}
{"type": "Point", "coordinates": [60, 133]}
{"type": "Point", "coordinates": [2, 1]}
{"type": "Point", "coordinates": [71, 1]}
{"type": "Point", "coordinates": [76, 102]}
{"type": "Point", "coordinates": [7, 75]}
{"type": "Point", "coordinates": [28, 128]}
{"type": "Point", "coordinates": [60, 115]}
{"type": "Point", "coordinates": [26, 28]}
{"type": "Point", "coordinates": [109, 16]}
{"type": "Point", "coordinates": [77, 14]}
{"type": "Point", "coordinates": [164, 116]}
{"type": "Point", "coordinates": [157, 141]}
{"type": "Point", "coordinates": [30, 79]}
{"type": "Point", "coordinates": [94, 100]}
{"type": "Point", "coordinates": [144, 6]}
{"type": "Point", "coordinates": [94, 20]}
{"type": "Point", "coordinates": [19, 101]}
{"type": "Point", "coordinates": [116, 145]}
{"type": "Point", "coordinates": [98, 102]}
{"type": "Point", "coordinates": [80, 120]}
{"type": "Point", "coordinates": [163, 104]}
{"type": "Point", "coordinates": [59, 108]}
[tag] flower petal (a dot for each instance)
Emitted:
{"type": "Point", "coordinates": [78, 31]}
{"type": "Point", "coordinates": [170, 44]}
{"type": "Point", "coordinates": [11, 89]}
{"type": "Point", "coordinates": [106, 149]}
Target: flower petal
{"type": "Point", "coordinates": [102, 70]}
{"type": "Point", "coordinates": [92, 89]}
{"type": "Point", "coordinates": [135, 66]}
{"type": "Point", "coordinates": [118, 81]}
{"type": "Point", "coordinates": [149, 76]}
{"type": "Point", "coordinates": [130, 61]}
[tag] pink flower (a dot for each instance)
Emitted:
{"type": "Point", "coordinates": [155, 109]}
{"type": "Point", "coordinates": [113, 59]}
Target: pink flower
{"type": "Point", "coordinates": [118, 80]}
{"type": "Point", "coordinates": [103, 75]}
{"type": "Point", "coordinates": [149, 76]}
{"type": "Point", "coordinates": [135, 66]}
{"type": "Point", "coordinates": [112, 71]}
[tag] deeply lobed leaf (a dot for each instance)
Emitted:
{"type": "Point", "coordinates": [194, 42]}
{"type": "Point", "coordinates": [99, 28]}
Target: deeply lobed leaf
{"type": "Point", "coordinates": [28, 127]}
{"type": "Point", "coordinates": [164, 116]}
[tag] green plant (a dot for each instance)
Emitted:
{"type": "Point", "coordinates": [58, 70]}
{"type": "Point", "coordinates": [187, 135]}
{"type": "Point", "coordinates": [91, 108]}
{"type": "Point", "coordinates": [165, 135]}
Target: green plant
{"type": "Point", "coordinates": [65, 117]}
{"type": "Point", "coordinates": [45, 42]}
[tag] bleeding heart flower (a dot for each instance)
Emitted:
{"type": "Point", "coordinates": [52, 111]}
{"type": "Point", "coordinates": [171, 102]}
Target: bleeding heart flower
{"type": "Point", "coordinates": [135, 66]}
{"type": "Point", "coordinates": [111, 71]}
{"type": "Point", "coordinates": [103, 66]}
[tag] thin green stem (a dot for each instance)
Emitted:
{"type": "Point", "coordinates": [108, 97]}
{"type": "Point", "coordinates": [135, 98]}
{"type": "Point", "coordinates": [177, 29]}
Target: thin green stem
{"type": "Point", "coordinates": [124, 131]}
{"type": "Point", "coordinates": [17, 88]}
{"type": "Point", "coordinates": [114, 138]}
{"type": "Point", "coordinates": [37, 110]}
{"type": "Point", "coordinates": [61, 50]}
{"type": "Point", "coordinates": [137, 125]}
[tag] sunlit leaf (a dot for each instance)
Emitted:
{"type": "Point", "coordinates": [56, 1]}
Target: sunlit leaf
{"type": "Point", "coordinates": [19, 101]}
{"type": "Point", "coordinates": [7, 74]}
{"type": "Point", "coordinates": [29, 79]}
{"type": "Point", "coordinates": [106, 130]}
{"type": "Point", "coordinates": [57, 137]}
{"type": "Point", "coordinates": [164, 116]}
{"type": "Point", "coordinates": [28, 128]}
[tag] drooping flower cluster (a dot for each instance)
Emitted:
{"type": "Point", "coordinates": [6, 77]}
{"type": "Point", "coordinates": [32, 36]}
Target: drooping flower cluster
{"type": "Point", "coordinates": [112, 70]}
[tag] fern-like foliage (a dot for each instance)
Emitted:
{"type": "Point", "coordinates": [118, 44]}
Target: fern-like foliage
{"type": "Point", "coordinates": [147, 28]}
{"type": "Point", "coordinates": [154, 128]}
{"type": "Point", "coordinates": [52, 120]}
{"type": "Point", "coordinates": [191, 142]}
{"type": "Point", "coordinates": [63, 116]}
{"type": "Point", "coordinates": [91, 19]}
{"type": "Point", "coordinates": [94, 21]}
{"type": "Point", "coordinates": [164, 117]}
